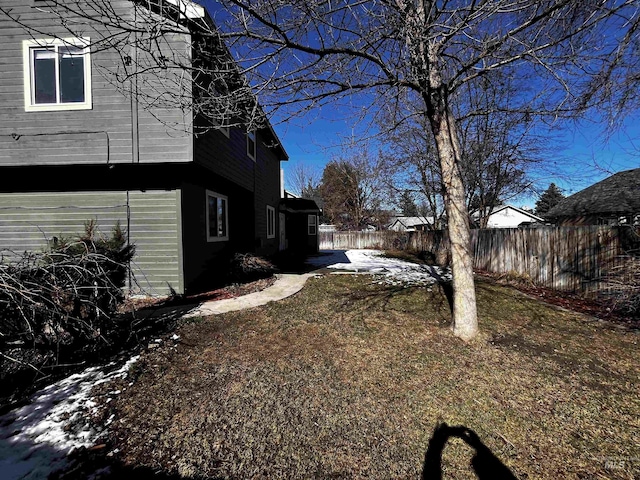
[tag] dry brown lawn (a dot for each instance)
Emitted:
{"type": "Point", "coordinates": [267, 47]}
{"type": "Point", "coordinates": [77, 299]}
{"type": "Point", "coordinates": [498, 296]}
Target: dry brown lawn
{"type": "Point", "coordinates": [350, 378]}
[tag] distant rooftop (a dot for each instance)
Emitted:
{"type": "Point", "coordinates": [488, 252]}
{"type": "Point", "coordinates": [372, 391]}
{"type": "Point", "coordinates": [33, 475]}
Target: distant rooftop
{"type": "Point", "coordinates": [617, 195]}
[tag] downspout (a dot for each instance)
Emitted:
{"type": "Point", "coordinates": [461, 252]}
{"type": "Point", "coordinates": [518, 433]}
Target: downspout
{"type": "Point", "coordinates": [129, 242]}
{"type": "Point", "coordinates": [135, 132]}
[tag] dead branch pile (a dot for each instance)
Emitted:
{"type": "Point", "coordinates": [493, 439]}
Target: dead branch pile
{"type": "Point", "coordinates": [247, 267]}
{"type": "Point", "coordinates": [65, 295]}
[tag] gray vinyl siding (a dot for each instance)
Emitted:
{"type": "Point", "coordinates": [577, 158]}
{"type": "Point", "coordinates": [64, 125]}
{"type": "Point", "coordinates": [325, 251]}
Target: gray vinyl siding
{"type": "Point", "coordinates": [29, 220]}
{"type": "Point", "coordinates": [97, 136]}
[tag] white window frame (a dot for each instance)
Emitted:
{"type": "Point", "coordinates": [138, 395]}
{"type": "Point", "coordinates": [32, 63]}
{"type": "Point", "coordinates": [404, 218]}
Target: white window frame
{"type": "Point", "coordinates": [252, 137]}
{"type": "Point", "coordinates": [226, 131]}
{"type": "Point", "coordinates": [29, 101]}
{"type": "Point", "coordinates": [312, 223]}
{"type": "Point", "coordinates": [271, 222]}
{"type": "Point", "coordinates": [218, 196]}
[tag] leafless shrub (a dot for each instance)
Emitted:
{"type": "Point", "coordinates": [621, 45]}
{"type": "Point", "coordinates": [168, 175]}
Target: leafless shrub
{"type": "Point", "coordinates": [623, 283]}
{"type": "Point", "coordinates": [247, 267]}
{"type": "Point", "coordinates": [66, 294]}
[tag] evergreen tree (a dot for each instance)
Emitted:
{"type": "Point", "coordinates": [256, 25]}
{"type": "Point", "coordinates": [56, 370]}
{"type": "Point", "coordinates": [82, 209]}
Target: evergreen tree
{"type": "Point", "coordinates": [407, 204]}
{"type": "Point", "coordinates": [549, 199]}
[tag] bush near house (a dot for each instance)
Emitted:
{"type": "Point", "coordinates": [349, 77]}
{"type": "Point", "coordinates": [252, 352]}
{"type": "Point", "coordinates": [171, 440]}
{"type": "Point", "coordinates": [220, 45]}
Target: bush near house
{"type": "Point", "coordinates": [66, 294]}
{"type": "Point", "coordinates": [56, 303]}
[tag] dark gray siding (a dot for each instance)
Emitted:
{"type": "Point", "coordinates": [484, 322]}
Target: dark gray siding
{"type": "Point", "coordinates": [228, 158]}
{"type": "Point", "coordinates": [206, 263]}
{"type": "Point", "coordinates": [267, 193]}
{"type": "Point", "coordinates": [97, 136]}
{"type": "Point", "coordinates": [29, 220]}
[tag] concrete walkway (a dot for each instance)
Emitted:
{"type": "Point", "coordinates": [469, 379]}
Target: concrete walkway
{"type": "Point", "coordinates": [286, 284]}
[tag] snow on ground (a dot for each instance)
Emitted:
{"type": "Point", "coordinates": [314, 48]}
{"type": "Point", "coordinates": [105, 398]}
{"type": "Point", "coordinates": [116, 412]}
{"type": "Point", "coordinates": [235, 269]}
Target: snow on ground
{"type": "Point", "coordinates": [392, 271]}
{"type": "Point", "coordinates": [36, 439]}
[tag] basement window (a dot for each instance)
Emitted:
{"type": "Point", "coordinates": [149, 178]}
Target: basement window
{"type": "Point", "coordinates": [57, 74]}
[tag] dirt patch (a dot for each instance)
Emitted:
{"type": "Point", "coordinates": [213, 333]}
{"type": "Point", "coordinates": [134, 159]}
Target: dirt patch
{"type": "Point", "coordinates": [222, 293]}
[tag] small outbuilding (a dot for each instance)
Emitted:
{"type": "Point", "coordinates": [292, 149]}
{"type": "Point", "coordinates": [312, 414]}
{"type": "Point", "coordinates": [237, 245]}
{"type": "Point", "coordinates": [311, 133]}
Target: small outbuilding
{"type": "Point", "coordinates": [300, 232]}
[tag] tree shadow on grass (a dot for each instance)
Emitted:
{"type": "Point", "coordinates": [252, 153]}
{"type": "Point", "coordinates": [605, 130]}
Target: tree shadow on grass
{"type": "Point", "coordinates": [446, 286]}
{"type": "Point", "coordinates": [485, 464]}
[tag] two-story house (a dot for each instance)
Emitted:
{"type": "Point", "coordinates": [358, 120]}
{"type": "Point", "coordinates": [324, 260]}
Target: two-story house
{"type": "Point", "coordinates": [76, 143]}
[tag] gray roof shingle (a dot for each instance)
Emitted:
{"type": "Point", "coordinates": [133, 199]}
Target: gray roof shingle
{"type": "Point", "coordinates": [617, 195]}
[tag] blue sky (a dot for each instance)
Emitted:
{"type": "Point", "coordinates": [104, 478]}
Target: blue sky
{"type": "Point", "coordinates": [577, 155]}
{"type": "Point", "coordinates": [581, 154]}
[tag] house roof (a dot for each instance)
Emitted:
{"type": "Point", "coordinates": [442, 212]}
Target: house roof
{"type": "Point", "coordinates": [299, 205]}
{"type": "Point", "coordinates": [519, 210]}
{"type": "Point", "coordinates": [618, 194]}
{"type": "Point", "coordinates": [409, 222]}
{"type": "Point", "coordinates": [193, 11]}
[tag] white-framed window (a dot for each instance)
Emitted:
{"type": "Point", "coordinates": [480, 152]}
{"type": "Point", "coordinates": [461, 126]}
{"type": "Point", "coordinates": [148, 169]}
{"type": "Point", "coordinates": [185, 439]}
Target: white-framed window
{"type": "Point", "coordinates": [312, 224]}
{"type": "Point", "coordinates": [271, 222]}
{"type": "Point", "coordinates": [226, 131]}
{"type": "Point", "coordinates": [251, 144]}
{"type": "Point", "coordinates": [217, 217]}
{"type": "Point", "coordinates": [57, 74]}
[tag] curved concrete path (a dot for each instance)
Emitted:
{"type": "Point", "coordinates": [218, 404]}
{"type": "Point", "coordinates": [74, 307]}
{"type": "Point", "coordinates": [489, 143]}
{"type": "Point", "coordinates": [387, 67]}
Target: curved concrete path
{"type": "Point", "coordinates": [286, 284]}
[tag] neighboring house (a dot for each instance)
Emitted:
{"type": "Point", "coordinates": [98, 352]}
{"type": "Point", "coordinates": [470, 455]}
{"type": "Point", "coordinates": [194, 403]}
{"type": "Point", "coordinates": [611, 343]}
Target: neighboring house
{"type": "Point", "coordinates": [73, 148]}
{"type": "Point", "coordinates": [508, 216]}
{"type": "Point", "coordinates": [612, 201]}
{"type": "Point", "coordinates": [411, 224]}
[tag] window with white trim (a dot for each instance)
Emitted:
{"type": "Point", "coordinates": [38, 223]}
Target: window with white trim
{"type": "Point", "coordinates": [312, 224]}
{"type": "Point", "coordinates": [271, 222]}
{"type": "Point", "coordinates": [251, 144]}
{"type": "Point", "coordinates": [217, 217]}
{"type": "Point", "coordinates": [57, 74]}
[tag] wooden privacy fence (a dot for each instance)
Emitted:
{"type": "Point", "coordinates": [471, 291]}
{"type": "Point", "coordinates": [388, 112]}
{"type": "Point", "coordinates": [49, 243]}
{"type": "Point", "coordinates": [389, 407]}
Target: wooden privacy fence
{"type": "Point", "coordinates": [576, 259]}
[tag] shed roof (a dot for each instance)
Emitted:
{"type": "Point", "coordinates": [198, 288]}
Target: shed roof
{"type": "Point", "coordinates": [618, 194]}
{"type": "Point", "coordinates": [299, 205]}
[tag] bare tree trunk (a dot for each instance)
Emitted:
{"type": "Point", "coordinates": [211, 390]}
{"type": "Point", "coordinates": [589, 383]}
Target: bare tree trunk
{"type": "Point", "coordinates": [443, 126]}
{"type": "Point", "coordinates": [465, 318]}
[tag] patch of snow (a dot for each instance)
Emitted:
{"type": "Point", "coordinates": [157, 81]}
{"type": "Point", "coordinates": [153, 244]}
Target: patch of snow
{"type": "Point", "coordinates": [36, 439]}
{"type": "Point", "coordinates": [391, 271]}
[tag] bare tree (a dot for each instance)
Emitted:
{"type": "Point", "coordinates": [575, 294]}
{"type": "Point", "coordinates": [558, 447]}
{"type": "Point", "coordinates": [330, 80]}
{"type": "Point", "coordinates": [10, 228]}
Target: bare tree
{"type": "Point", "coordinates": [498, 151]}
{"type": "Point", "coordinates": [433, 50]}
{"type": "Point", "coordinates": [305, 181]}
{"type": "Point", "coordinates": [563, 56]}
{"type": "Point", "coordinates": [412, 159]}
